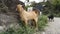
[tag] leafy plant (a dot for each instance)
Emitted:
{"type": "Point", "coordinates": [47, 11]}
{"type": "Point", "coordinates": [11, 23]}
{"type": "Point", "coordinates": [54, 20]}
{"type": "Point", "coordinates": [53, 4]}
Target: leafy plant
{"type": "Point", "coordinates": [42, 22]}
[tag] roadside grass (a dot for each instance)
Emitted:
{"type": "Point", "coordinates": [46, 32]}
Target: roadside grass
{"type": "Point", "coordinates": [42, 23]}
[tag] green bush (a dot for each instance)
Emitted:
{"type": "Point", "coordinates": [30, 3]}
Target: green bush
{"type": "Point", "coordinates": [42, 22]}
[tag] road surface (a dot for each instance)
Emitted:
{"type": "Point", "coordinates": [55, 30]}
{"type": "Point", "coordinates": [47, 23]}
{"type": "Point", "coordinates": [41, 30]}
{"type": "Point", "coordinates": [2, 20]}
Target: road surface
{"type": "Point", "coordinates": [53, 27]}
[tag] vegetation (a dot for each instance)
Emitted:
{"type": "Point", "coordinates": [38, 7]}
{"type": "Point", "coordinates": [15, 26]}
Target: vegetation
{"type": "Point", "coordinates": [52, 7]}
{"type": "Point", "coordinates": [42, 23]}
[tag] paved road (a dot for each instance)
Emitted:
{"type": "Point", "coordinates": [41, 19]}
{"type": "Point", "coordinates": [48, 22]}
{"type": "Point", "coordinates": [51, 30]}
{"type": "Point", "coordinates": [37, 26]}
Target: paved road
{"type": "Point", "coordinates": [54, 27]}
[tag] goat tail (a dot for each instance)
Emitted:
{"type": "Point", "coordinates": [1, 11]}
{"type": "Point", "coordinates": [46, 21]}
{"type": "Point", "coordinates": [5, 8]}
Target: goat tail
{"type": "Point", "coordinates": [36, 11]}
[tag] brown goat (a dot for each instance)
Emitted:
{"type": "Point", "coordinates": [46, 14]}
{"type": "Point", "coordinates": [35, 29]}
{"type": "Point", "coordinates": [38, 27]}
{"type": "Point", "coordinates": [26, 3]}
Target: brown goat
{"type": "Point", "coordinates": [25, 15]}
